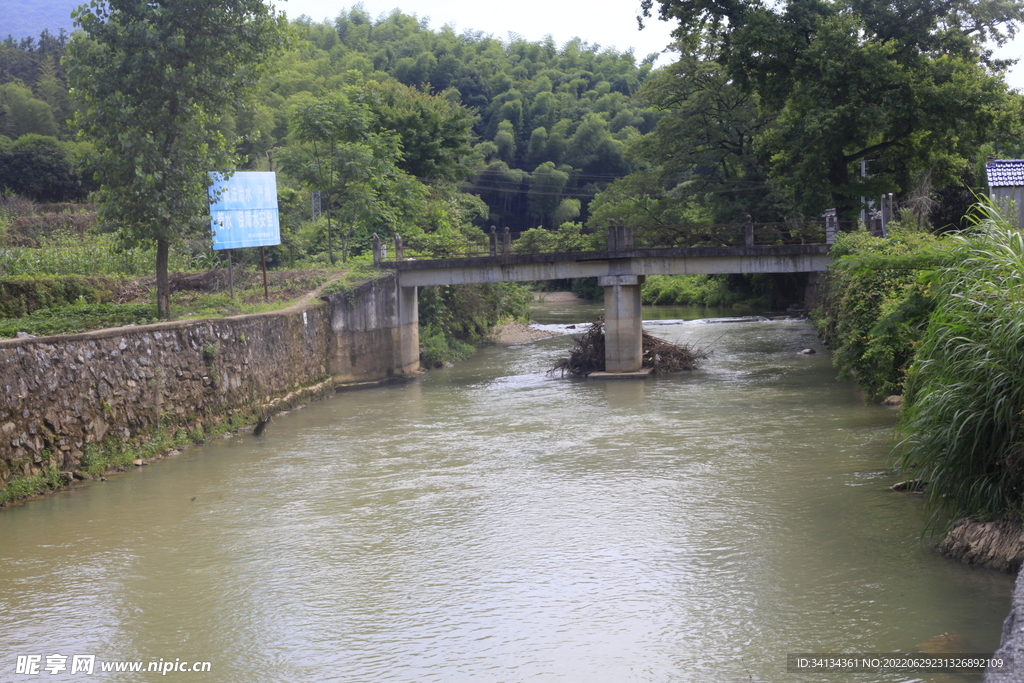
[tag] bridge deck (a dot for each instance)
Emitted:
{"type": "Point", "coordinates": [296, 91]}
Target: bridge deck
{"type": "Point", "coordinates": [794, 258]}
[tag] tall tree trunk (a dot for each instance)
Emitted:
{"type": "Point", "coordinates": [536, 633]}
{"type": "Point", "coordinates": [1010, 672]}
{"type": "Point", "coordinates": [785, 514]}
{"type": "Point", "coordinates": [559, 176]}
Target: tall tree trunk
{"type": "Point", "coordinates": [847, 208]}
{"type": "Point", "coordinates": [163, 285]}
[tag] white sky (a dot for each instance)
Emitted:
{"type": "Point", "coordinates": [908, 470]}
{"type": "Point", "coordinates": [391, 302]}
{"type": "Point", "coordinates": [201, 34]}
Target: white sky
{"type": "Point", "coordinates": [609, 24]}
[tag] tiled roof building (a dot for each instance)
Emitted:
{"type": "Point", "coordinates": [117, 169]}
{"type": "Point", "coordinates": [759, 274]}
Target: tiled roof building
{"type": "Point", "coordinates": [1005, 173]}
{"type": "Point", "coordinates": [1006, 187]}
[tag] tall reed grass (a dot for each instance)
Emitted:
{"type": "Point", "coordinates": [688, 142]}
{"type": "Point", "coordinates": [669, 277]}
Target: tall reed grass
{"type": "Point", "coordinates": [963, 428]}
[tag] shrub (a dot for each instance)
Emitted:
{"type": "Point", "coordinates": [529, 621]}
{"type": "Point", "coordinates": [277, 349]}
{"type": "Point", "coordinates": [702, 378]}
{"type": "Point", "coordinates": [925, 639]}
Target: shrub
{"type": "Point", "coordinates": [453, 319]}
{"type": "Point", "coordinates": [875, 304]}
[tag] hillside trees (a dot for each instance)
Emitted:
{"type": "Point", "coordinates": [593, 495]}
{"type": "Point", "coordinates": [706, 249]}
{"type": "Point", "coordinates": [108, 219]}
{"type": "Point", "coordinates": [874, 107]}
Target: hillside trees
{"type": "Point", "coordinates": [700, 164]}
{"type": "Point", "coordinates": [153, 81]}
{"type": "Point", "coordinates": [436, 130]}
{"type": "Point", "coordinates": [527, 101]}
{"type": "Point", "coordinates": [385, 158]}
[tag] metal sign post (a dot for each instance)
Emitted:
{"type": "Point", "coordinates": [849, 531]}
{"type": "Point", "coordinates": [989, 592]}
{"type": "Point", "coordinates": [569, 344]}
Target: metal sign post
{"type": "Point", "coordinates": [231, 279]}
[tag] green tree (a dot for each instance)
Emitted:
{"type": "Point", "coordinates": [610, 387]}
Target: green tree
{"type": "Point", "coordinates": [703, 149]}
{"type": "Point", "coordinates": [341, 153]}
{"type": "Point", "coordinates": [546, 186]}
{"type": "Point", "coordinates": [23, 114]}
{"type": "Point", "coordinates": [153, 79]}
{"type": "Point", "coordinates": [436, 130]}
{"type": "Point", "coordinates": [908, 85]}
{"type": "Point", "coordinates": [38, 167]}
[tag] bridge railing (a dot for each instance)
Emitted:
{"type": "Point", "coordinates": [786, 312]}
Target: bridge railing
{"type": "Point", "coordinates": [615, 238]}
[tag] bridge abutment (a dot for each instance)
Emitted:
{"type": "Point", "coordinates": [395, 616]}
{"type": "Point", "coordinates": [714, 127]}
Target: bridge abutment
{"type": "Point", "coordinates": [623, 323]}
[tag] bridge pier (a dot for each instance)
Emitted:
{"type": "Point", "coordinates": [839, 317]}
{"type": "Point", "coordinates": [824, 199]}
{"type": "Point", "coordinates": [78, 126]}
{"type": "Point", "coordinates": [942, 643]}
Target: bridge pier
{"type": "Point", "coordinates": [623, 323]}
{"type": "Point", "coordinates": [408, 342]}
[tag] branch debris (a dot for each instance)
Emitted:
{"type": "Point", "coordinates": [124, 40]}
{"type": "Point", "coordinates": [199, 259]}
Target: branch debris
{"type": "Point", "coordinates": [587, 355]}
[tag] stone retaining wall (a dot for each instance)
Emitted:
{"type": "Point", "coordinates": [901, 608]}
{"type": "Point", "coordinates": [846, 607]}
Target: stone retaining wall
{"type": "Point", "coordinates": [1011, 646]}
{"type": "Point", "coordinates": [61, 394]}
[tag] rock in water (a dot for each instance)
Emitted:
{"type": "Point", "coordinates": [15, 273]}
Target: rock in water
{"type": "Point", "coordinates": [998, 544]}
{"type": "Point", "coordinates": [945, 644]}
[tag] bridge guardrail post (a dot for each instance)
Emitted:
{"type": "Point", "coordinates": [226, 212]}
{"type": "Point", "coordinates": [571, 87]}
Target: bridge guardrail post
{"type": "Point", "coordinates": [620, 238]}
{"type": "Point", "coordinates": [748, 229]}
{"type": "Point", "coordinates": [506, 246]}
{"type": "Point", "coordinates": [377, 250]}
{"type": "Point", "coordinates": [399, 248]}
{"type": "Point", "coordinates": [494, 241]}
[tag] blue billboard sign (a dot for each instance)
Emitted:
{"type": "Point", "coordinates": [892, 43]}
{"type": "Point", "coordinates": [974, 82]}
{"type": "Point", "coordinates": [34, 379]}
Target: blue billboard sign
{"type": "Point", "coordinates": [243, 210]}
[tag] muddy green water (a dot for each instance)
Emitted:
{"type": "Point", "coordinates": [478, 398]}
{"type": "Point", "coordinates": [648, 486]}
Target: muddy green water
{"type": "Point", "coordinates": [488, 522]}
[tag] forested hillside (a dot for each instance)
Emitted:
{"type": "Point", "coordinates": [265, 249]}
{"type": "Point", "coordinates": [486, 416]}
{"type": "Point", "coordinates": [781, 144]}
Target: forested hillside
{"type": "Point", "coordinates": [778, 113]}
{"type": "Point", "coordinates": [549, 124]}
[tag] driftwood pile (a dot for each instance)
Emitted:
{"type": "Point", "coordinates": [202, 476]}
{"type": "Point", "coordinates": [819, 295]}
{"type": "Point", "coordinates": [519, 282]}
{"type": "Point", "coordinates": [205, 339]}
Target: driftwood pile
{"type": "Point", "coordinates": [587, 355]}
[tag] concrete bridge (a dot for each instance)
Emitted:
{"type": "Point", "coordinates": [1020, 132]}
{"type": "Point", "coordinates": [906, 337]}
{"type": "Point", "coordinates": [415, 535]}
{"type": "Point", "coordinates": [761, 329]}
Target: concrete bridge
{"type": "Point", "coordinates": [620, 269]}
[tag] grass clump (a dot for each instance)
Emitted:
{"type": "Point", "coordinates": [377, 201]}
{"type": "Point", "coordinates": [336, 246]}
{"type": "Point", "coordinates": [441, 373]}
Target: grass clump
{"type": "Point", "coordinates": [21, 295]}
{"type": "Point", "coordinates": [49, 479]}
{"type": "Point", "coordinates": [962, 430]}
{"type": "Point", "coordinates": [355, 275]}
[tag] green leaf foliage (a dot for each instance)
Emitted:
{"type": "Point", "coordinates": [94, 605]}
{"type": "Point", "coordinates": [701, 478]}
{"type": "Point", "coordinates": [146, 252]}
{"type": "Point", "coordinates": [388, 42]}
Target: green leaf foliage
{"type": "Point", "coordinates": [909, 88]}
{"type": "Point", "coordinates": [20, 296]}
{"type": "Point", "coordinates": [79, 317]}
{"type": "Point", "coordinates": [153, 81]}
{"type": "Point", "coordinates": [875, 303]}
{"type": "Point", "coordinates": [963, 426]}
{"type": "Point", "coordinates": [454, 319]}
{"type": "Point", "coordinates": [40, 168]}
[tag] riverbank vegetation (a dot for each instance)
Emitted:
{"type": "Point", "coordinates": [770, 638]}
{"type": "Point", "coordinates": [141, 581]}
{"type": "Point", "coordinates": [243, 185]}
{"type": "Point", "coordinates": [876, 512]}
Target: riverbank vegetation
{"type": "Point", "coordinates": [875, 304]}
{"type": "Point", "coordinates": [938, 320]}
{"type": "Point", "coordinates": [454, 320]}
{"type": "Point", "coordinates": [962, 429]}
{"type": "Point", "coordinates": [760, 291]}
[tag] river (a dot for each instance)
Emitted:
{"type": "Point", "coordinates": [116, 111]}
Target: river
{"type": "Point", "coordinates": [489, 522]}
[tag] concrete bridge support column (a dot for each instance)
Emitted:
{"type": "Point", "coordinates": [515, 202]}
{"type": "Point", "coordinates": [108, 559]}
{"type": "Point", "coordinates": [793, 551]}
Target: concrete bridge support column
{"type": "Point", "coordinates": [623, 323]}
{"type": "Point", "coordinates": [408, 360]}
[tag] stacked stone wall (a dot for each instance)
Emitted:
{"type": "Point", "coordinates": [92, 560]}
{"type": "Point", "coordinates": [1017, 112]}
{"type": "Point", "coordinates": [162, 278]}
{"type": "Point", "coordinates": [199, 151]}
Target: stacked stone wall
{"type": "Point", "coordinates": [60, 394]}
